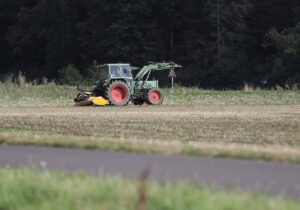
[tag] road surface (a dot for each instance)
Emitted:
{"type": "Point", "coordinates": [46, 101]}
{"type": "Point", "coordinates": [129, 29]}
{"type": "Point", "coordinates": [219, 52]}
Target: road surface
{"type": "Point", "coordinates": [275, 178]}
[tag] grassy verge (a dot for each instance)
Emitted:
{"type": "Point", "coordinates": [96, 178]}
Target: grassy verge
{"type": "Point", "coordinates": [195, 96]}
{"type": "Point", "coordinates": [27, 189]}
{"type": "Point", "coordinates": [27, 94]}
{"type": "Point", "coordinates": [271, 153]}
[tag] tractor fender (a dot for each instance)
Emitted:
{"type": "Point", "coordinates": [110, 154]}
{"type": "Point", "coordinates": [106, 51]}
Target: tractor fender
{"type": "Point", "coordinates": [109, 81]}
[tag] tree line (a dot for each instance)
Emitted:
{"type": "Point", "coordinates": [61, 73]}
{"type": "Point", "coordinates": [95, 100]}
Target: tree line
{"type": "Point", "coordinates": [220, 43]}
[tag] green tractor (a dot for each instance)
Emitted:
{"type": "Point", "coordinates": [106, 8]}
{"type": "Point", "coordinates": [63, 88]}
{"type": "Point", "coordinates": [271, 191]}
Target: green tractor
{"type": "Point", "coordinates": [117, 86]}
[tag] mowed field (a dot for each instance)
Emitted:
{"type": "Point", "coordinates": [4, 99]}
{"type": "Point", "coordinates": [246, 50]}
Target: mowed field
{"type": "Point", "coordinates": [250, 123]}
{"type": "Point", "coordinates": [245, 124]}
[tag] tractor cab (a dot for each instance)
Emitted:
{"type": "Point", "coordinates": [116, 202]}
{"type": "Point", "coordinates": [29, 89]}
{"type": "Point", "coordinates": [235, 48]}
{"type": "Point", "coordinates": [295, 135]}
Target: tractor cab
{"type": "Point", "coordinates": [112, 73]}
{"type": "Point", "coordinates": [115, 71]}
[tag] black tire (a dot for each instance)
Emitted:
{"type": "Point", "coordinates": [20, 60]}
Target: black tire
{"type": "Point", "coordinates": [138, 101]}
{"type": "Point", "coordinates": [155, 96]}
{"type": "Point", "coordinates": [118, 93]}
{"type": "Point", "coordinates": [82, 97]}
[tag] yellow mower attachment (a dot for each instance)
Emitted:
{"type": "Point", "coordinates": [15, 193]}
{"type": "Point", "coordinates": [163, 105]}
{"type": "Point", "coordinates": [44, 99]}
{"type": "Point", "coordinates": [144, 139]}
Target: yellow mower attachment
{"type": "Point", "coordinates": [99, 101]}
{"type": "Point", "coordinates": [86, 99]}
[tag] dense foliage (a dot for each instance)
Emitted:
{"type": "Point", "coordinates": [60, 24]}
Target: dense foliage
{"type": "Point", "coordinates": [220, 45]}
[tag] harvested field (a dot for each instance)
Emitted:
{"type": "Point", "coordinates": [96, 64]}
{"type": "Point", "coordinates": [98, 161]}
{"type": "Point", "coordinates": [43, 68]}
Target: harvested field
{"type": "Point", "coordinates": [264, 132]}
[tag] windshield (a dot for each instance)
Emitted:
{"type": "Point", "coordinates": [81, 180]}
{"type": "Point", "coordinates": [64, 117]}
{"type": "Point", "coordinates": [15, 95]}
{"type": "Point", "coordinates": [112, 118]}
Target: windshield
{"type": "Point", "coordinates": [120, 71]}
{"type": "Point", "coordinates": [126, 71]}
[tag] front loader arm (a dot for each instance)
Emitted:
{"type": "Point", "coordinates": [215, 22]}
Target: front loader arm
{"type": "Point", "coordinates": [155, 67]}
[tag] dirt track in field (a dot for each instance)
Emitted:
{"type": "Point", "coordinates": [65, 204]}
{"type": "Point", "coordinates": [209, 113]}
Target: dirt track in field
{"type": "Point", "coordinates": [266, 125]}
{"type": "Point", "coordinates": [162, 111]}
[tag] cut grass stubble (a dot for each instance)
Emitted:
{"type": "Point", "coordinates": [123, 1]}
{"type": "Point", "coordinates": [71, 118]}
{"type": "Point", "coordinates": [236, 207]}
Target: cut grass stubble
{"type": "Point", "coordinates": [247, 123]}
{"type": "Point", "coordinates": [262, 132]}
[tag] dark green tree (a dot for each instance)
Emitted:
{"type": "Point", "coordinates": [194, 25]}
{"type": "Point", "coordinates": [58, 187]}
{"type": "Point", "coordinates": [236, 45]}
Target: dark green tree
{"type": "Point", "coordinates": [217, 41]}
{"type": "Point", "coordinates": [8, 11]}
{"type": "Point", "coordinates": [283, 66]}
{"type": "Point", "coordinates": [43, 37]}
{"type": "Point", "coordinates": [220, 43]}
{"type": "Point", "coordinates": [263, 16]}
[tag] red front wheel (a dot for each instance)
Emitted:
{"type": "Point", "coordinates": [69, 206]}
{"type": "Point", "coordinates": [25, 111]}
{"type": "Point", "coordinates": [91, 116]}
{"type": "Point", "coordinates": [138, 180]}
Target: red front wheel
{"type": "Point", "coordinates": [155, 96]}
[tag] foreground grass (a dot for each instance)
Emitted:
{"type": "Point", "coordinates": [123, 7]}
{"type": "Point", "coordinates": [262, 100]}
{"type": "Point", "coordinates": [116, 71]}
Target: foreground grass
{"type": "Point", "coordinates": [27, 189]}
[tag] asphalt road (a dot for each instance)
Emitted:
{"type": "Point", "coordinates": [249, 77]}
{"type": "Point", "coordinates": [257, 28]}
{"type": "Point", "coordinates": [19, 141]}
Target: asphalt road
{"type": "Point", "coordinates": [275, 178]}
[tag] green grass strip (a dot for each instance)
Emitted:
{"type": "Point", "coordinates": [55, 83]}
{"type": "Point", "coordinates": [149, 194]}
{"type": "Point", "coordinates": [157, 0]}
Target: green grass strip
{"type": "Point", "coordinates": [24, 189]}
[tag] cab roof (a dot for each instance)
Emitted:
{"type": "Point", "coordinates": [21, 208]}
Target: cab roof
{"type": "Point", "coordinates": [115, 64]}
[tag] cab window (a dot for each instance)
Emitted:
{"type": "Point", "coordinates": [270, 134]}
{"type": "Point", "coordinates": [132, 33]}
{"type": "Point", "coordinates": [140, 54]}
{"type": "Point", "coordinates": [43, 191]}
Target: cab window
{"type": "Point", "coordinates": [115, 71]}
{"type": "Point", "coordinates": [103, 74]}
{"type": "Point", "coordinates": [126, 71]}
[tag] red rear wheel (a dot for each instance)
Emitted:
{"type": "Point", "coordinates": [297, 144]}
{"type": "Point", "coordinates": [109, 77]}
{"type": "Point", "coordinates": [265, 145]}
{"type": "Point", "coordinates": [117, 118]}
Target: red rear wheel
{"type": "Point", "coordinates": [118, 93]}
{"type": "Point", "coordinates": [155, 96]}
